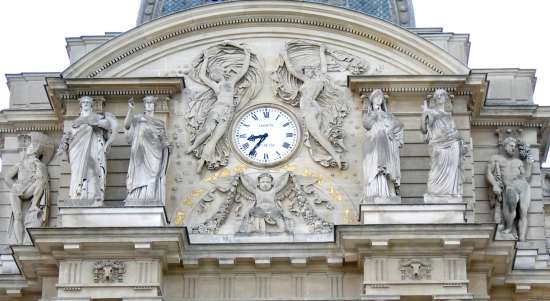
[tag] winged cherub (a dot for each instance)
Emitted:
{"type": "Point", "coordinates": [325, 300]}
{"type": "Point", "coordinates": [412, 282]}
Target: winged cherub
{"type": "Point", "coordinates": [265, 195]}
{"type": "Point", "coordinates": [266, 213]}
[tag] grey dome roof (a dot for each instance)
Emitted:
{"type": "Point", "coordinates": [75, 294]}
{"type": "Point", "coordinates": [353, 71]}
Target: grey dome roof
{"type": "Point", "coordinates": [399, 12]}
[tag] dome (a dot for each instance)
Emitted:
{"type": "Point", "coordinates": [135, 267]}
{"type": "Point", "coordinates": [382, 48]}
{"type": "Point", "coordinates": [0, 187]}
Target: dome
{"type": "Point", "coordinates": [399, 12]}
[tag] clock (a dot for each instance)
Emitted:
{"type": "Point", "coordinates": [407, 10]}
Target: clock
{"type": "Point", "coordinates": [266, 135]}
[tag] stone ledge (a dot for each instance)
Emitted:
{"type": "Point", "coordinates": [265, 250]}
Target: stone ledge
{"type": "Point", "coordinates": [379, 214]}
{"type": "Point", "coordinates": [85, 217]}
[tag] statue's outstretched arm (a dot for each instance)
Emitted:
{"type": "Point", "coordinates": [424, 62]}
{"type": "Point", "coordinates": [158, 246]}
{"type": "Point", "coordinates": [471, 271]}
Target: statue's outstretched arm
{"type": "Point", "coordinates": [323, 57]}
{"type": "Point", "coordinates": [245, 66]}
{"type": "Point", "coordinates": [111, 127]}
{"type": "Point", "coordinates": [291, 68]}
{"type": "Point", "coordinates": [424, 119]}
{"type": "Point", "coordinates": [202, 74]}
{"type": "Point", "coordinates": [129, 115]}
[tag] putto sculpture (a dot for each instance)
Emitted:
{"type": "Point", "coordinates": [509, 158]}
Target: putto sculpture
{"type": "Point", "coordinates": [266, 215]}
{"type": "Point", "coordinates": [381, 165]}
{"type": "Point", "coordinates": [149, 153]}
{"type": "Point", "coordinates": [447, 150]}
{"type": "Point", "coordinates": [509, 174]}
{"type": "Point", "coordinates": [233, 76]}
{"type": "Point", "coordinates": [86, 144]}
{"type": "Point", "coordinates": [28, 181]}
{"type": "Point", "coordinates": [271, 202]}
{"type": "Point", "coordinates": [302, 79]}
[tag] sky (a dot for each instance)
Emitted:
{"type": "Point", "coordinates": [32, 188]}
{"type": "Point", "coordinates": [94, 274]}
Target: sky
{"type": "Point", "coordinates": [503, 33]}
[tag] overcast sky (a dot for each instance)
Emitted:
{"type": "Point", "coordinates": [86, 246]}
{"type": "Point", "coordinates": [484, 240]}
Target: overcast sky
{"type": "Point", "coordinates": [504, 33]}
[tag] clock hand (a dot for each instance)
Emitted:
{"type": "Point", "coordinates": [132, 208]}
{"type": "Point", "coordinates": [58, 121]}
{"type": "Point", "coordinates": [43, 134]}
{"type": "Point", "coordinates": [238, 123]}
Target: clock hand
{"type": "Point", "coordinates": [253, 138]}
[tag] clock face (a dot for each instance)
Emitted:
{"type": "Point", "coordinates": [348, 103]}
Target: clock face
{"type": "Point", "coordinates": [266, 135]}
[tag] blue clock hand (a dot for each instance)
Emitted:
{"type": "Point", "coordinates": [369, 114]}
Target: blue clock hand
{"type": "Point", "coordinates": [253, 138]}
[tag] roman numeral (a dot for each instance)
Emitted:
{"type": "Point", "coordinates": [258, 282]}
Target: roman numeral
{"type": "Point", "coordinates": [290, 134]}
{"type": "Point", "coordinates": [246, 145]}
{"type": "Point", "coordinates": [266, 114]}
{"type": "Point", "coordinates": [254, 116]}
{"type": "Point", "coordinates": [278, 117]}
{"type": "Point", "coordinates": [266, 156]}
{"type": "Point", "coordinates": [286, 145]}
{"type": "Point", "coordinates": [244, 124]}
{"type": "Point", "coordinates": [286, 124]}
{"type": "Point", "coordinates": [242, 136]}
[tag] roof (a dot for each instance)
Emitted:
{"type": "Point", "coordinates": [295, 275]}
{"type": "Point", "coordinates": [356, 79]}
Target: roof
{"type": "Point", "coordinates": [399, 12]}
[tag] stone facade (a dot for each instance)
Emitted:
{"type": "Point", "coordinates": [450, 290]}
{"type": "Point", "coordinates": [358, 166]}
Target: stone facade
{"type": "Point", "coordinates": [256, 159]}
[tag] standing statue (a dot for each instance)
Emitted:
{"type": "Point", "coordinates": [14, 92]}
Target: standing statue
{"type": "Point", "coordinates": [446, 149]}
{"type": "Point", "coordinates": [28, 181]}
{"type": "Point", "coordinates": [148, 156]}
{"type": "Point", "coordinates": [381, 168]}
{"type": "Point", "coordinates": [86, 145]}
{"type": "Point", "coordinates": [509, 175]}
{"type": "Point", "coordinates": [302, 79]}
{"type": "Point", "coordinates": [233, 76]}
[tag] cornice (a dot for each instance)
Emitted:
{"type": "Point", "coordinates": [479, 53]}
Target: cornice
{"type": "Point", "coordinates": [60, 90]}
{"type": "Point", "coordinates": [15, 121]}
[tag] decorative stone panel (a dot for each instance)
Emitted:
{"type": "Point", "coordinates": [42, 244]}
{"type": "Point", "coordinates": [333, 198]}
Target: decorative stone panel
{"type": "Point", "coordinates": [395, 277]}
{"type": "Point", "coordinates": [109, 279]}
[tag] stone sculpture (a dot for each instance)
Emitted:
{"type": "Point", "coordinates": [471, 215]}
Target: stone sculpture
{"type": "Point", "coordinates": [265, 213]}
{"type": "Point", "coordinates": [86, 144]}
{"type": "Point", "coordinates": [233, 75]}
{"type": "Point", "coordinates": [415, 269]}
{"type": "Point", "coordinates": [381, 167]}
{"type": "Point", "coordinates": [302, 79]}
{"type": "Point", "coordinates": [446, 150]}
{"type": "Point", "coordinates": [108, 271]}
{"type": "Point", "coordinates": [28, 181]}
{"type": "Point", "coordinates": [148, 156]}
{"type": "Point", "coordinates": [509, 174]}
{"type": "Point", "coordinates": [270, 202]}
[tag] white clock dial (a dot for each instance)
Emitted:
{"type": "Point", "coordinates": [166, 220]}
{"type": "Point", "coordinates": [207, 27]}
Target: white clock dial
{"type": "Point", "coordinates": [266, 135]}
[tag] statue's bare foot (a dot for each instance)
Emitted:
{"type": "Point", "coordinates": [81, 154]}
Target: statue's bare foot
{"type": "Point", "coordinates": [200, 165]}
{"type": "Point", "coordinates": [506, 231]}
{"type": "Point", "coordinates": [338, 161]}
{"type": "Point", "coordinates": [97, 203]}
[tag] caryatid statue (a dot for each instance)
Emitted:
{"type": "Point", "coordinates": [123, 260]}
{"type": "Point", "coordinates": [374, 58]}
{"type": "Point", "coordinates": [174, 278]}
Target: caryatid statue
{"type": "Point", "coordinates": [509, 174]}
{"type": "Point", "coordinates": [381, 167]}
{"type": "Point", "coordinates": [446, 149]}
{"type": "Point", "coordinates": [148, 156]}
{"type": "Point", "coordinates": [86, 144]}
{"type": "Point", "coordinates": [28, 181]}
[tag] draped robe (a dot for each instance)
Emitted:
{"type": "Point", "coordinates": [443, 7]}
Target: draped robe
{"type": "Point", "coordinates": [87, 158]}
{"type": "Point", "coordinates": [148, 159]}
{"type": "Point", "coordinates": [381, 167]}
